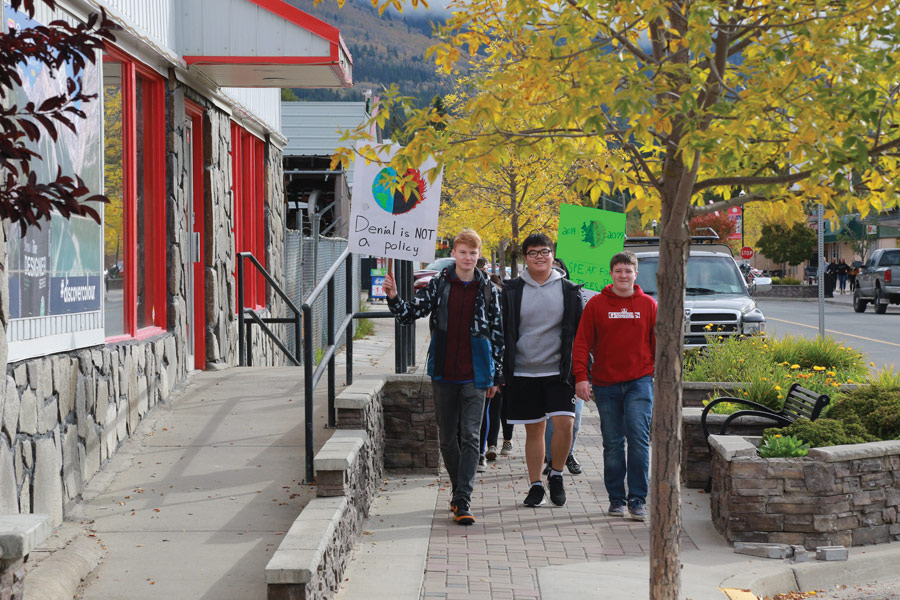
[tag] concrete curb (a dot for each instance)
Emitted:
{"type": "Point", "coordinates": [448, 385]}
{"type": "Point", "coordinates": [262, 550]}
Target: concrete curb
{"type": "Point", "coordinates": [866, 563]}
{"type": "Point", "coordinates": [58, 576]}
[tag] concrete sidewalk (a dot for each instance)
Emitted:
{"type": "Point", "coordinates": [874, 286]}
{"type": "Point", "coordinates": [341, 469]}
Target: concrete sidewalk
{"type": "Point", "coordinates": [549, 553]}
{"type": "Point", "coordinates": [195, 502]}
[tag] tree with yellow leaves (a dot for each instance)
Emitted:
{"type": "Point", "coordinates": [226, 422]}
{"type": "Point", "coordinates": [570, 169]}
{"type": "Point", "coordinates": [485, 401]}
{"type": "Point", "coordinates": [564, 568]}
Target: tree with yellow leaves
{"type": "Point", "coordinates": [674, 100]}
{"type": "Point", "coordinates": [506, 202]}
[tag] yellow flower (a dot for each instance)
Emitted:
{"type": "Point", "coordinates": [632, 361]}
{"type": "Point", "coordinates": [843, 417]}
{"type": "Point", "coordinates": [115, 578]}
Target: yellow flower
{"type": "Point", "coordinates": [779, 396]}
{"type": "Point", "coordinates": [849, 381]}
{"type": "Point", "coordinates": [777, 435]}
{"type": "Point", "coordinates": [708, 327]}
{"type": "Point", "coordinates": [832, 373]}
{"type": "Point", "coordinates": [778, 387]}
{"type": "Point", "coordinates": [871, 364]}
{"type": "Point", "coordinates": [818, 368]}
{"type": "Point", "coordinates": [795, 366]}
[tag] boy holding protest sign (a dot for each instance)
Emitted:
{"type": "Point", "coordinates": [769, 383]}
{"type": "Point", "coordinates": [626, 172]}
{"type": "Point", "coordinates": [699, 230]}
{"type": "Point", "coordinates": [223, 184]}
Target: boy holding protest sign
{"type": "Point", "coordinates": [464, 359]}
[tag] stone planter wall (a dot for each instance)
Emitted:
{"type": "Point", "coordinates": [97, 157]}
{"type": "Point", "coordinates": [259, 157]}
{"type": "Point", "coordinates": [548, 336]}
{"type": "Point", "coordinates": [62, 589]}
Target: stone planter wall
{"type": "Point", "coordinates": [789, 291]}
{"type": "Point", "coordinates": [410, 430]}
{"type": "Point", "coordinates": [693, 393]}
{"type": "Point", "coordinates": [380, 423]}
{"type": "Point", "coordinates": [695, 455]}
{"type": "Point", "coordinates": [840, 495]}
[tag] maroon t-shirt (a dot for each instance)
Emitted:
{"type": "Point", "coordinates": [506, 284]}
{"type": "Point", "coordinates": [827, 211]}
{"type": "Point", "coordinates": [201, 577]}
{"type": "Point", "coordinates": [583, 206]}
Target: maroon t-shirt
{"type": "Point", "coordinates": [460, 312]}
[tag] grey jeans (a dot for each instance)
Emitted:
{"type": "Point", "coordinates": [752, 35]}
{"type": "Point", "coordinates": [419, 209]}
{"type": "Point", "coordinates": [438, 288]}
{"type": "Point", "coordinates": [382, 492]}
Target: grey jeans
{"type": "Point", "coordinates": [459, 408]}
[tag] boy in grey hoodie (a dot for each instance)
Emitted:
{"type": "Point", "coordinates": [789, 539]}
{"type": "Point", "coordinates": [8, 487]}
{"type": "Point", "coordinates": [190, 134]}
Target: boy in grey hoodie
{"type": "Point", "coordinates": [541, 311]}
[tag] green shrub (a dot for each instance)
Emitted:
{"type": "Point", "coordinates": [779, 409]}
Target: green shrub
{"type": "Point", "coordinates": [824, 432]}
{"type": "Point", "coordinates": [785, 281]}
{"type": "Point", "coordinates": [819, 352]}
{"type": "Point", "coordinates": [782, 446]}
{"type": "Point", "coordinates": [875, 407]}
{"type": "Point", "coordinates": [768, 367]}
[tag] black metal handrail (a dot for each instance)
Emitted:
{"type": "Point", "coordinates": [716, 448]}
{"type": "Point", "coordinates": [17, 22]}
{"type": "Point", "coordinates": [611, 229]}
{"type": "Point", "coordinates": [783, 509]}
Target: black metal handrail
{"type": "Point", "coordinates": [311, 378]}
{"type": "Point", "coordinates": [404, 335]}
{"type": "Point", "coordinates": [246, 358]}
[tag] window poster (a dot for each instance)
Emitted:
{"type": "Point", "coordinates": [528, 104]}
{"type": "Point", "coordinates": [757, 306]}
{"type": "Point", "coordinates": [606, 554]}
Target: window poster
{"type": "Point", "coordinates": [55, 269]}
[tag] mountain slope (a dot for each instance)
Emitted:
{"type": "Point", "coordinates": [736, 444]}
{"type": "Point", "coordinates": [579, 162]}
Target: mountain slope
{"type": "Point", "coordinates": [386, 49]}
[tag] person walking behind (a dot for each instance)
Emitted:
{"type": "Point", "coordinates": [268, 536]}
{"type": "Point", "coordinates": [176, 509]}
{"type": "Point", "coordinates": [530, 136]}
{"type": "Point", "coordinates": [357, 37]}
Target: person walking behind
{"type": "Point", "coordinates": [465, 359]}
{"type": "Point", "coordinates": [572, 463]}
{"type": "Point", "coordinates": [541, 310]}
{"type": "Point", "coordinates": [490, 422]}
{"type": "Point", "coordinates": [617, 328]}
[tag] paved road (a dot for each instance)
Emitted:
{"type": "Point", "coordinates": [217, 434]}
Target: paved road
{"type": "Point", "coordinates": [876, 336]}
{"type": "Point", "coordinates": [884, 589]}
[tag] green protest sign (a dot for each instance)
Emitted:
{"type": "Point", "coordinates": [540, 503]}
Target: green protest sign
{"type": "Point", "coordinates": [587, 239]}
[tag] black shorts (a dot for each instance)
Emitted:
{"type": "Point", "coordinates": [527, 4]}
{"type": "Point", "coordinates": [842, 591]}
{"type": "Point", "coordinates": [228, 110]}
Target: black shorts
{"type": "Point", "coordinates": [534, 399]}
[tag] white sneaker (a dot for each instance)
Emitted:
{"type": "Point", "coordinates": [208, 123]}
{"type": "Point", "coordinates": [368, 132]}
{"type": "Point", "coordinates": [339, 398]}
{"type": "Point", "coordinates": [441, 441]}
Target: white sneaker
{"type": "Point", "coordinates": [506, 448]}
{"type": "Point", "coordinates": [491, 453]}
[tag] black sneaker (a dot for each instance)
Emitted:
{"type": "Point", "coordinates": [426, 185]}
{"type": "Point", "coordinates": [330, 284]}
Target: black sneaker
{"type": "Point", "coordinates": [573, 465]}
{"type": "Point", "coordinates": [461, 513]}
{"type": "Point", "coordinates": [535, 496]}
{"type": "Point", "coordinates": [557, 493]}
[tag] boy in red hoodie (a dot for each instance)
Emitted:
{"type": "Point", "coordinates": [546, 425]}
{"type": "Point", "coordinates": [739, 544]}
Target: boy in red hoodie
{"type": "Point", "coordinates": [617, 327]}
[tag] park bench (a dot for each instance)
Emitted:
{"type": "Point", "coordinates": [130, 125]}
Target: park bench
{"type": "Point", "coordinates": [800, 403]}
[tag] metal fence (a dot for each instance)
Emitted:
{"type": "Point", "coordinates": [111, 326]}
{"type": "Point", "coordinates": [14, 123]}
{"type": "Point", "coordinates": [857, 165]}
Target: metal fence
{"type": "Point", "coordinates": [304, 264]}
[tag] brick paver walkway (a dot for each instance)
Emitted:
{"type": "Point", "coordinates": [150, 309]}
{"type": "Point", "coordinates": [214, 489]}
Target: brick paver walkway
{"type": "Point", "coordinates": [498, 557]}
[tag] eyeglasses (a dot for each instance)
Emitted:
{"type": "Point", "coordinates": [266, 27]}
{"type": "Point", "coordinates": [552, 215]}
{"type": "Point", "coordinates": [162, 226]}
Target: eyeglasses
{"type": "Point", "coordinates": [535, 253]}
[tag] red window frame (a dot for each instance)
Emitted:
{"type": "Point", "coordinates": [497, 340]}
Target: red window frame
{"type": "Point", "coordinates": [248, 211]}
{"type": "Point", "coordinates": [154, 174]}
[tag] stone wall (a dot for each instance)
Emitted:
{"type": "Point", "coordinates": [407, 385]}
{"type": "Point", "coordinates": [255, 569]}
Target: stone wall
{"type": "Point", "coordinates": [63, 416]}
{"type": "Point", "coordinates": [12, 579]}
{"type": "Point", "coordinates": [789, 291]}
{"type": "Point", "coordinates": [695, 456]}
{"type": "Point", "coordinates": [410, 430]}
{"type": "Point", "coordinates": [840, 495]}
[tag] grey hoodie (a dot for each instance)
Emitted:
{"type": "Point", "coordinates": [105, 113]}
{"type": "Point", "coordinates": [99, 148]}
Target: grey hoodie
{"type": "Point", "coordinates": [538, 347]}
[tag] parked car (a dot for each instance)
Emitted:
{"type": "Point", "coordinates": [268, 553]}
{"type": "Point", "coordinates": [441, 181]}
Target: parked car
{"type": "Point", "coordinates": [433, 268]}
{"type": "Point", "coordinates": [878, 281]}
{"type": "Point", "coordinates": [718, 301]}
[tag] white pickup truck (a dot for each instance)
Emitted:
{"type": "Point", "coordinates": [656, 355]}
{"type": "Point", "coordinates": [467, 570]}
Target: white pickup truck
{"type": "Point", "coordinates": [878, 281]}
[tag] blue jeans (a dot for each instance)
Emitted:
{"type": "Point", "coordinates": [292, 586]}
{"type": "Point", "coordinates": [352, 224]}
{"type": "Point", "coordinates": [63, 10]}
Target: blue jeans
{"type": "Point", "coordinates": [548, 432]}
{"type": "Point", "coordinates": [625, 409]}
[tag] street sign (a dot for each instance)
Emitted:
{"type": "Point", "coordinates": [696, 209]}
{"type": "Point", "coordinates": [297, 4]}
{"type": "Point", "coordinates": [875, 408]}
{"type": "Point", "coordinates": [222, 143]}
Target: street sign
{"type": "Point", "coordinates": [746, 252]}
{"type": "Point", "coordinates": [377, 290]}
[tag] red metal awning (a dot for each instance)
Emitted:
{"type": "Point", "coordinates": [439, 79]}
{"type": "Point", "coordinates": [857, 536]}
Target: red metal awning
{"type": "Point", "coordinates": [263, 43]}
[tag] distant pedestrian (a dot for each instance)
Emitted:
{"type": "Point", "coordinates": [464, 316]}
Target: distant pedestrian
{"type": "Point", "coordinates": [464, 360]}
{"type": "Point", "coordinates": [842, 272]}
{"type": "Point", "coordinates": [541, 310]}
{"type": "Point", "coordinates": [830, 279]}
{"type": "Point", "coordinates": [617, 329]}
{"type": "Point", "coordinates": [851, 277]}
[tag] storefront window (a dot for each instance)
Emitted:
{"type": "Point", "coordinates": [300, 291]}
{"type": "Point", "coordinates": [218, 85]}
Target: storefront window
{"type": "Point", "coordinates": [248, 170]}
{"type": "Point", "coordinates": [134, 220]}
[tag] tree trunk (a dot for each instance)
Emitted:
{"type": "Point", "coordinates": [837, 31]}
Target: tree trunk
{"type": "Point", "coordinates": [665, 486]}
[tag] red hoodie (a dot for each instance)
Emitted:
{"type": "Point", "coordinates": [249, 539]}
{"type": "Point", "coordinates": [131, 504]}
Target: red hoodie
{"type": "Point", "coordinates": [619, 333]}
